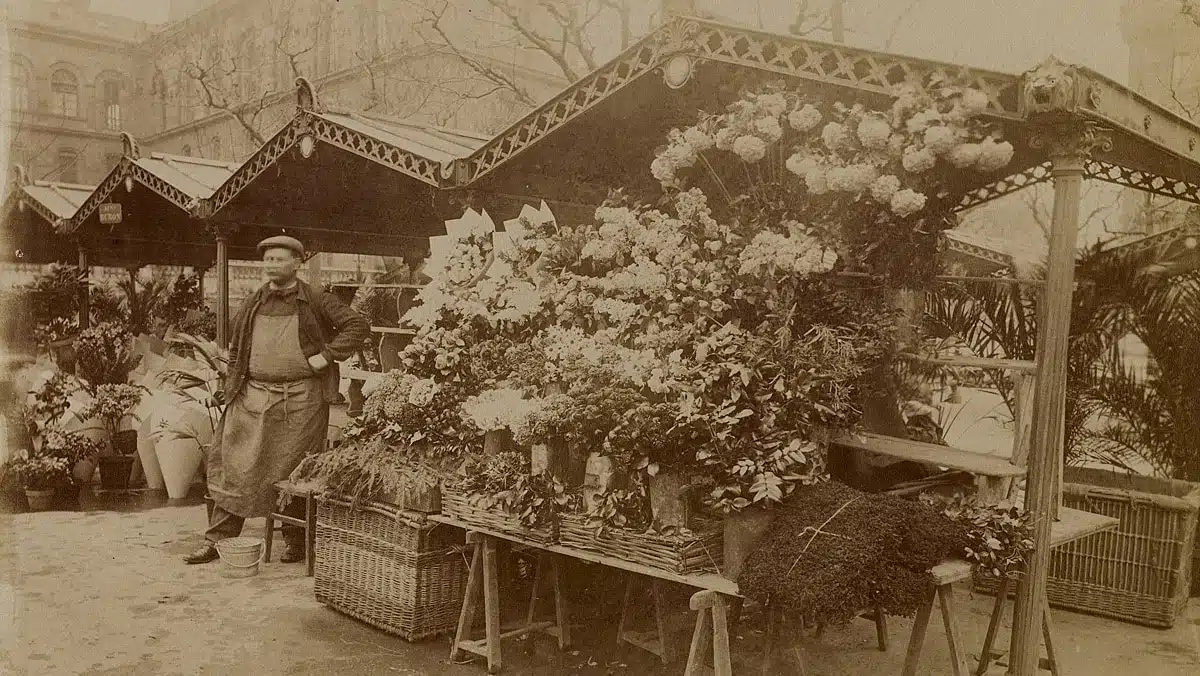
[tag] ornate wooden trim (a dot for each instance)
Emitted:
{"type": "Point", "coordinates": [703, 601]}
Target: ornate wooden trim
{"type": "Point", "coordinates": [823, 62]}
{"type": "Point", "coordinates": [110, 183]}
{"type": "Point", "coordinates": [998, 258]}
{"type": "Point", "coordinates": [1141, 180]}
{"type": "Point", "coordinates": [1007, 185]}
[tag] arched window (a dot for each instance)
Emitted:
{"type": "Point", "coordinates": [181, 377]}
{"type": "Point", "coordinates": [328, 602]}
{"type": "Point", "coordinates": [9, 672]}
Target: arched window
{"type": "Point", "coordinates": [111, 98]}
{"type": "Point", "coordinates": [68, 165]}
{"type": "Point", "coordinates": [20, 87]}
{"type": "Point", "coordinates": [64, 90]}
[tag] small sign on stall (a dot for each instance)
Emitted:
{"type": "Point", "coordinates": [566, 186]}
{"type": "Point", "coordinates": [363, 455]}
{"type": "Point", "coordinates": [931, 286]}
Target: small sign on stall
{"type": "Point", "coordinates": [110, 214]}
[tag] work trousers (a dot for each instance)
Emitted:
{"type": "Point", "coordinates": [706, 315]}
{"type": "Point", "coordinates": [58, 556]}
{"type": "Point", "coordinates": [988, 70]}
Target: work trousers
{"type": "Point", "coordinates": [223, 525]}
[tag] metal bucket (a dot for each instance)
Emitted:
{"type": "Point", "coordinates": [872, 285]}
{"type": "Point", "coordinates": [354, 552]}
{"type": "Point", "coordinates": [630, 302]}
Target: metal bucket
{"type": "Point", "coordinates": [240, 556]}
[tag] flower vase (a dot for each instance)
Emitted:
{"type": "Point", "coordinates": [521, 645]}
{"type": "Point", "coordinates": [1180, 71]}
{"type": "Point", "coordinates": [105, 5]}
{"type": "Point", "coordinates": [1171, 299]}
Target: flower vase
{"type": "Point", "coordinates": [742, 532]}
{"type": "Point", "coordinates": [115, 471]}
{"type": "Point", "coordinates": [669, 499]}
{"type": "Point", "coordinates": [84, 470]}
{"type": "Point", "coordinates": [145, 449]}
{"type": "Point", "coordinates": [178, 459]}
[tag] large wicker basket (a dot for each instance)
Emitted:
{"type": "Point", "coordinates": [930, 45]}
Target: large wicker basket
{"type": "Point", "coordinates": [456, 505]}
{"type": "Point", "coordinates": [701, 551]}
{"type": "Point", "coordinates": [389, 568]}
{"type": "Point", "coordinates": [1140, 572]}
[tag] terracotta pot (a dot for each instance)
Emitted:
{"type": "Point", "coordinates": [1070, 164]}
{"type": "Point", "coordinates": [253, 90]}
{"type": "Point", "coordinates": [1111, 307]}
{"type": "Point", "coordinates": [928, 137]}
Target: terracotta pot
{"type": "Point", "coordinates": [125, 442]}
{"type": "Point", "coordinates": [742, 532]}
{"type": "Point", "coordinates": [39, 500]}
{"type": "Point", "coordinates": [114, 472]}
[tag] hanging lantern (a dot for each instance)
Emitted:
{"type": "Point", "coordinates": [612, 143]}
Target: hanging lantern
{"type": "Point", "coordinates": [128, 183]}
{"type": "Point", "coordinates": [307, 145]}
{"type": "Point", "coordinates": [21, 206]}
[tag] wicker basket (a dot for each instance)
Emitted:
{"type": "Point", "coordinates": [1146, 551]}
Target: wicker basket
{"type": "Point", "coordinates": [1140, 572]}
{"type": "Point", "coordinates": [700, 552]}
{"type": "Point", "coordinates": [456, 505]}
{"type": "Point", "coordinates": [389, 568]}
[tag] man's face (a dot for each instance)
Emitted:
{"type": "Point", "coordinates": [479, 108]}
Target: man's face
{"type": "Point", "coordinates": [281, 264]}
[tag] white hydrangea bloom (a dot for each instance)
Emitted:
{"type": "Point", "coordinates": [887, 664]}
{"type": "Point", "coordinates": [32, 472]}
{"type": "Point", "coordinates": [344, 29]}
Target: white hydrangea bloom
{"type": "Point", "coordinates": [801, 163]}
{"type": "Point", "coordinates": [772, 104]}
{"type": "Point", "coordinates": [750, 148]}
{"type": "Point", "coordinates": [834, 136]}
{"type": "Point", "coordinates": [805, 118]}
{"type": "Point", "coordinates": [663, 171]}
{"type": "Point", "coordinates": [907, 202]}
{"type": "Point", "coordinates": [874, 132]}
{"type": "Point", "coordinates": [817, 182]}
{"type": "Point", "coordinates": [884, 187]}
{"type": "Point", "coordinates": [993, 156]}
{"type": "Point", "coordinates": [769, 127]}
{"type": "Point", "coordinates": [698, 139]}
{"type": "Point", "coordinates": [724, 138]}
{"type": "Point", "coordinates": [964, 155]}
{"type": "Point", "coordinates": [918, 160]}
{"type": "Point", "coordinates": [896, 145]}
{"type": "Point", "coordinates": [422, 392]}
{"type": "Point", "coordinates": [940, 139]}
{"type": "Point", "coordinates": [854, 178]}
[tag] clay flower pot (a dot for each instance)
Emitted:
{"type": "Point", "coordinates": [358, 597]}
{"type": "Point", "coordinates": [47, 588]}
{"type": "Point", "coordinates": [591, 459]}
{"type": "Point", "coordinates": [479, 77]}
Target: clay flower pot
{"type": "Point", "coordinates": [742, 532]}
{"type": "Point", "coordinates": [40, 500]}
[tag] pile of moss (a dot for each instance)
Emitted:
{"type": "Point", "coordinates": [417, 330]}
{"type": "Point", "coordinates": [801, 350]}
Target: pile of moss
{"type": "Point", "coordinates": [870, 548]}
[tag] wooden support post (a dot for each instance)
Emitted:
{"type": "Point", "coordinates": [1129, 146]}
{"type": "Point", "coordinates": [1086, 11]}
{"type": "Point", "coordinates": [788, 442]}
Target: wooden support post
{"type": "Point", "coordinates": [916, 641]}
{"type": "Point", "coordinates": [710, 607]}
{"type": "Point", "coordinates": [1069, 143]}
{"type": "Point", "coordinates": [466, 617]}
{"type": "Point", "coordinates": [222, 289]}
{"type": "Point", "coordinates": [85, 290]}
{"type": "Point", "coordinates": [491, 605]}
{"type": "Point", "coordinates": [958, 659]}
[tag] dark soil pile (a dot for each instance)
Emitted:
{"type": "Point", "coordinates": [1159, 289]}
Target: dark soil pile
{"type": "Point", "coordinates": [870, 548]}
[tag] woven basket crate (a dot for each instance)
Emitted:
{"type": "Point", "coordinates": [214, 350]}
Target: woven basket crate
{"type": "Point", "coordinates": [1140, 572]}
{"type": "Point", "coordinates": [457, 505]}
{"type": "Point", "coordinates": [701, 552]}
{"type": "Point", "coordinates": [389, 568]}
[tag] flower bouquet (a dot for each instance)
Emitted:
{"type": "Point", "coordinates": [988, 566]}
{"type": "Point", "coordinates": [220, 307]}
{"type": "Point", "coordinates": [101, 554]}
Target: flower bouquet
{"type": "Point", "coordinates": [500, 493]}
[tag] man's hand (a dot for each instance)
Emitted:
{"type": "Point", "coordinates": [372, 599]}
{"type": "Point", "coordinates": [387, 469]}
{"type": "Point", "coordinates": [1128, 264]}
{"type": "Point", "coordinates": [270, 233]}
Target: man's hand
{"type": "Point", "coordinates": [317, 362]}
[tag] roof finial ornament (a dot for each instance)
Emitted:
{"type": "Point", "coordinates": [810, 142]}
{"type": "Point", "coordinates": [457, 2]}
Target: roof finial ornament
{"type": "Point", "coordinates": [306, 96]}
{"type": "Point", "coordinates": [129, 146]}
{"type": "Point", "coordinates": [1051, 87]}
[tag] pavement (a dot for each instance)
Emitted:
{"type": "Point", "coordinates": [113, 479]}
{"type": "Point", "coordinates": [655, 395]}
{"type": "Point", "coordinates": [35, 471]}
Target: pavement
{"type": "Point", "coordinates": [103, 591]}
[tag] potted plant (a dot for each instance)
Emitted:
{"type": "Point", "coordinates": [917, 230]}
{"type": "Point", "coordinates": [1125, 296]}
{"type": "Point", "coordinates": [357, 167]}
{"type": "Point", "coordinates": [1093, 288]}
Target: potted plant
{"type": "Point", "coordinates": [58, 336]}
{"type": "Point", "coordinates": [111, 404]}
{"type": "Point", "coordinates": [40, 476]}
{"type": "Point", "coordinates": [80, 452]}
{"type": "Point", "coordinates": [105, 354]}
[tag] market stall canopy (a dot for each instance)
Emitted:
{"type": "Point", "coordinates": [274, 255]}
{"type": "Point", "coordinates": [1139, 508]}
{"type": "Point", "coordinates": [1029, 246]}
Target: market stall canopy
{"type": "Point", "coordinates": [141, 213]}
{"type": "Point", "coordinates": [345, 182]}
{"type": "Point", "coordinates": [1176, 250]}
{"type": "Point", "coordinates": [32, 210]}
{"type": "Point", "coordinates": [603, 130]}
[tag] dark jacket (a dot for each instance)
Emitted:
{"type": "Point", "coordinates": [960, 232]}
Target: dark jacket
{"type": "Point", "coordinates": [327, 327]}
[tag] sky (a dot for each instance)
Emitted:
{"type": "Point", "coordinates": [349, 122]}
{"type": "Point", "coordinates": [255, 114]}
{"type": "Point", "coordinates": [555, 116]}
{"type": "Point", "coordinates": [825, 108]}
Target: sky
{"type": "Point", "coordinates": [1008, 35]}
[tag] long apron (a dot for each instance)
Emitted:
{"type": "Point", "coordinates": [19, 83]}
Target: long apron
{"type": "Point", "coordinates": [265, 431]}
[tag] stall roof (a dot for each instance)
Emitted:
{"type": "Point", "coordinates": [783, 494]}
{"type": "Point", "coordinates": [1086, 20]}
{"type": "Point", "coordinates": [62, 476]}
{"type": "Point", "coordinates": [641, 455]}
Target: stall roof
{"type": "Point", "coordinates": [661, 80]}
{"type": "Point", "coordinates": [157, 194]}
{"type": "Point", "coordinates": [344, 181]}
{"type": "Point", "coordinates": [32, 210]}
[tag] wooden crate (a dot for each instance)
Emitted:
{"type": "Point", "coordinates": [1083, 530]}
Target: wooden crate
{"type": "Point", "coordinates": [389, 568]}
{"type": "Point", "coordinates": [698, 551]}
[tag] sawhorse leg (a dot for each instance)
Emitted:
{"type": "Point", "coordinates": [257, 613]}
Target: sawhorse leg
{"type": "Point", "coordinates": [944, 593]}
{"type": "Point", "coordinates": [661, 645]}
{"type": "Point", "coordinates": [792, 659]}
{"type": "Point", "coordinates": [483, 580]}
{"type": "Point", "coordinates": [987, 654]}
{"type": "Point", "coordinates": [711, 610]}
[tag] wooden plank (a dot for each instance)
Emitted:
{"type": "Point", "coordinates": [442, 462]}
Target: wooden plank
{"type": "Point", "coordinates": [948, 572]}
{"type": "Point", "coordinates": [1018, 365]}
{"type": "Point", "coordinates": [1074, 524]}
{"type": "Point", "coordinates": [932, 454]}
{"type": "Point", "coordinates": [480, 646]}
{"type": "Point", "coordinates": [393, 330]}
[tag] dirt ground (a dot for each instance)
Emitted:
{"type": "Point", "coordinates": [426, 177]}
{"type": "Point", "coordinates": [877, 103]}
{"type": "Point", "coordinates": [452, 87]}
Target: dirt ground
{"type": "Point", "coordinates": [105, 593]}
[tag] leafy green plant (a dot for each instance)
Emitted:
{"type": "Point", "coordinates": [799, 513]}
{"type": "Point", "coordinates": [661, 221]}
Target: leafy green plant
{"type": "Point", "coordinates": [52, 398]}
{"type": "Point", "coordinates": [56, 290]}
{"type": "Point", "coordinates": [112, 402]}
{"type": "Point", "coordinates": [180, 299]}
{"type": "Point", "coordinates": [70, 446]}
{"type": "Point", "coordinates": [205, 389]}
{"type": "Point", "coordinates": [504, 482]}
{"type": "Point", "coordinates": [39, 472]}
{"type": "Point", "coordinates": [104, 354]}
{"type": "Point", "coordinates": [999, 536]}
{"type": "Point", "coordinates": [55, 330]}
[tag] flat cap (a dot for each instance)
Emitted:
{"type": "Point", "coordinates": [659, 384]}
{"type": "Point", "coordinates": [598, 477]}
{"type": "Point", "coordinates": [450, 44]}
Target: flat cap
{"type": "Point", "coordinates": [281, 242]}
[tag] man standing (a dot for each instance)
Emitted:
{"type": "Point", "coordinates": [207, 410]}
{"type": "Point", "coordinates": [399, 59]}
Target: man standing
{"type": "Point", "coordinates": [284, 343]}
